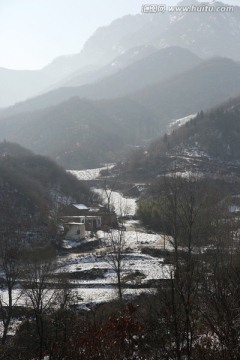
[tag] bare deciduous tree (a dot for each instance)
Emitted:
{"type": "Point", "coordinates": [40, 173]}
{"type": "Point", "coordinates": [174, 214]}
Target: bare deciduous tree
{"type": "Point", "coordinates": [40, 292]}
{"type": "Point", "coordinates": [115, 256]}
{"type": "Point", "coordinates": [10, 265]}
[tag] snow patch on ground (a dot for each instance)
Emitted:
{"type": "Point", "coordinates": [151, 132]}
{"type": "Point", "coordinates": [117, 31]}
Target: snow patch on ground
{"type": "Point", "coordinates": [179, 122]}
{"type": "Point", "coordinates": [101, 289]}
{"type": "Point", "coordinates": [89, 174]}
{"type": "Point", "coordinates": [123, 206]}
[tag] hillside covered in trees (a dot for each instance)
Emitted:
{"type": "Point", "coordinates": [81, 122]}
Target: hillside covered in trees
{"type": "Point", "coordinates": [33, 187]}
{"type": "Point", "coordinates": [82, 133]}
{"type": "Point", "coordinates": [208, 143]}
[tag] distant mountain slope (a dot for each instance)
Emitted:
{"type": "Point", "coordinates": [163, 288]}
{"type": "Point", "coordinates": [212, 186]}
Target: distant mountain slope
{"type": "Point", "coordinates": [155, 68]}
{"type": "Point", "coordinates": [19, 85]}
{"type": "Point", "coordinates": [205, 86]}
{"type": "Point", "coordinates": [206, 33]}
{"type": "Point", "coordinates": [209, 143]}
{"type": "Point", "coordinates": [127, 58]}
{"type": "Point", "coordinates": [151, 69]}
{"type": "Point", "coordinates": [81, 133]}
{"type": "Point", "coordinates": [214, 134]}
{"type": "Point", "coordinates": [101, 48]}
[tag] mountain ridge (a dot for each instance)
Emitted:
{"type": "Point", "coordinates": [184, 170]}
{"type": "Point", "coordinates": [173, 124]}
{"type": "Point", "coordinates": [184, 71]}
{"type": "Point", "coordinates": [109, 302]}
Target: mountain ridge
{"type": "Point", "coordinates": [81, 133]}
{"type": "Point", "coordinates": [156, 67]}
{"type": "Point", "coordinates": [204, 33]}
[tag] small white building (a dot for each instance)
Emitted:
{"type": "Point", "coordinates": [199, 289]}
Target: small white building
{"type": "Point", "coordinates": [76, 218]}
{"type": "Point", "coordinates": [75, 231]}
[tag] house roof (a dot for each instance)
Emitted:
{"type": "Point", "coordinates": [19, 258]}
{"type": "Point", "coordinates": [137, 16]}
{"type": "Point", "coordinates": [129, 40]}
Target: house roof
{"type": "Point", "coordinates": [75, 223]}
{"type": "Point", "coordinates": [80, 206]}
{"type": "Point", "coordinates": [96, 207]}
{"type": "Point", "coordinates": [74, 216]}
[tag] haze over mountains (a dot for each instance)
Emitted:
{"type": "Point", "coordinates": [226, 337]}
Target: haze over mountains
{"type": "Point", "coordinates": [101, 48]}
{"type": "Point", "coordinates": [81, 133]}
{"type": "Point", "coordinates": [131, 79]}
{"type": "Point", "coordinates": [156, 67]}
{"type": "Point", "coordinates": [206, 34]}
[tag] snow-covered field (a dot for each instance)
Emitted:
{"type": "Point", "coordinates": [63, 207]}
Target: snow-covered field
{"type": "Point", "coordinates": [89, 174]}
{"type": "Point", "coordinates": [102, 289]}
{"type": "Point", "coordinates": [122, 205]}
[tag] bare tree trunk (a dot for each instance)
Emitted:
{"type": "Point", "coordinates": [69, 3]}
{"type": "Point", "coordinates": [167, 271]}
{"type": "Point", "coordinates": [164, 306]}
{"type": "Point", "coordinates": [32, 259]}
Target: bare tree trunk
{"type": "Point", "coordinates": [10, 265]}
{"type": "Point", "coordinates": [115, 257]}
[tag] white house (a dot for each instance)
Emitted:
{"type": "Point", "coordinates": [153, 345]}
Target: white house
{"type": "Point", "coordinates": [75, 231]}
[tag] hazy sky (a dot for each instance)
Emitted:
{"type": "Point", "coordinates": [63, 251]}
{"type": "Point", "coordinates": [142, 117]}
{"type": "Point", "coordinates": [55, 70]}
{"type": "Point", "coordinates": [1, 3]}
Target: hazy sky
{"type": "Point", "coordinates": [34, 32]}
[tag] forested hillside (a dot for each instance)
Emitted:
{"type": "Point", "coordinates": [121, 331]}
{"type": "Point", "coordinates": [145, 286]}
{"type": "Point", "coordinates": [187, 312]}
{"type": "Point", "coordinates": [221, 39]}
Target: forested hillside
{"type": "Point", "coordinates": [209, 143]}
{"type": "Point", "coordinates": [207, 85]}
{"type": "Point", "coordinates": [33, 187]}
{"type": "Point", "coordinates": [81, 133]}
